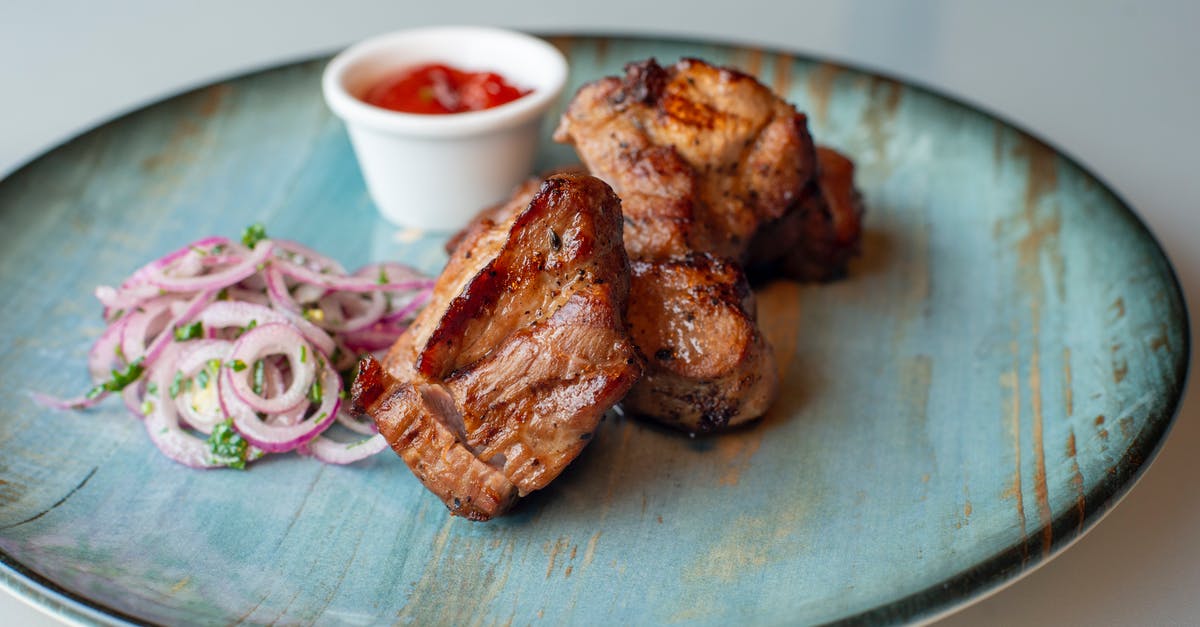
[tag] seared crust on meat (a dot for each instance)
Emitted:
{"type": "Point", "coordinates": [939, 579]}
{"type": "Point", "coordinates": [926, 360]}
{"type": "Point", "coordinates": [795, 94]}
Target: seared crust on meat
{"type": "Point", "coordinates": [692, 317]}
{"type": "Point", "coordinates": [501, 380]}
{"type": "Point", "coordinates": [420, 426]}
{"type": "Point", "coordinates": [828, 220]}
{"type": "Point", "coordinates": [709, 159]}
{"type": "Point", "coordinates": [708, 366]}
{"type": "Point", "coordinates": [701, 156]}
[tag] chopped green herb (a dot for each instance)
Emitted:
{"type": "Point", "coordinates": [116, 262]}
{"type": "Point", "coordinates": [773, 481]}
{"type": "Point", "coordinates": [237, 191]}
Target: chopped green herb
{"type": "Point", "coordinates": [120, 379]}
{"type": "Point", "coordinates": [253, 323]}
{"type": "Point", "coordinates": [147, 407]}
{"type": "Point", "coordinates": [152, 388]}
{"type": "Point", "coordinates": [237, 365]}
{"type": "Point", "coordinates": [119, 352]}
{"type": "Point", "coordinates": [223, 294]}
{"type": "Point", "coordinates": [210, 370]}
{"type": "Point", "coordinates": [303, 353]}
{"type": "Point", "coordinates": [314, 392]}
{"type": "Point", "coordinates": [258, 377]}
{"type": "Point", "coordinates": [176, 384]}
{"type": "Point", "coordinates": [227, 446]}
{"type": "Point", "coordinates": [116, 315]}
{"type": "Point", "coordinates": [383, 277]}
{"type": "Point", "coordinates": [254, 234]}
{"type": "Point", "coordinates": [189, 332]}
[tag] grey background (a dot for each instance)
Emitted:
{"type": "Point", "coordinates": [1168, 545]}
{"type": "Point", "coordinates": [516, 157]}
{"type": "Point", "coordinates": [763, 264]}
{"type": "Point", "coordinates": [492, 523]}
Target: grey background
{"type": "Point", "coordinates": [1114, 83]}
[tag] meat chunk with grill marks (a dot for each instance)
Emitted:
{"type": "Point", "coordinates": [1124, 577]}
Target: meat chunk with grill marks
{"type": "Point", "coordinates": [816, 240]}
{"type": "Point", "coordinates": [692, 317]}
{"type": "Point", "coordinates": [715, 172]}
{"type": "Point", "coordinates": [708, 366]}
{"type": "Point", "coordinates": [499, 383]}
{"type": "Point", "coordinates": [708, 159]}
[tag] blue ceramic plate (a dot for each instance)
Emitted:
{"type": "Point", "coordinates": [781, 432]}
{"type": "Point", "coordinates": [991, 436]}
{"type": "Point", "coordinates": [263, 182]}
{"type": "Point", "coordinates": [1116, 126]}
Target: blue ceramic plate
{"type": "Point", "coordinates": [1004, 360]}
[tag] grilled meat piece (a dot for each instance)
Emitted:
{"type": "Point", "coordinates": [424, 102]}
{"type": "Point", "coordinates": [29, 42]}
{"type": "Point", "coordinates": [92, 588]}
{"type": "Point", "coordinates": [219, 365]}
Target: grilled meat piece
{"type": "Point", "coordinates": [708, 366]}
{"type": "Point", "coordinates": [709, 159]}
{"type": "Point", "coordinates": [701, 156]}
{"type": "Point", "coordinates": [692, 317]}
{"type": "Point", "coordinates": [501, 380]}
{"type": "Point", "coordinates": [827, 220]}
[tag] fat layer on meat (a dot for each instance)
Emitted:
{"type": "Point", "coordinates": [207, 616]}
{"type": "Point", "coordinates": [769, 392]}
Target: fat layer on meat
{"type": "Point", "coordinates": [501, 380]}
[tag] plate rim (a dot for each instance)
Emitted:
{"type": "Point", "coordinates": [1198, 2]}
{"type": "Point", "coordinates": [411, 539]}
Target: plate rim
{"type": "Point", "coordinates": [939, 600]}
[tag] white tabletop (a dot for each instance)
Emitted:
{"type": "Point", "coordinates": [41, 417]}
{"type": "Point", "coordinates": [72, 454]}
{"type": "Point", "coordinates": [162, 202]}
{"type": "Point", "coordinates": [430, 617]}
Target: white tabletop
{"type": "Point", "coordinates": [1114, 83]}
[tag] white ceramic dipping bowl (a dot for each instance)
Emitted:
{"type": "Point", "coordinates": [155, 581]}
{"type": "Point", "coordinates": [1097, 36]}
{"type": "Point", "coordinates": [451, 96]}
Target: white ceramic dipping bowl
{"type": "Point", "coordinates": [435, 172]}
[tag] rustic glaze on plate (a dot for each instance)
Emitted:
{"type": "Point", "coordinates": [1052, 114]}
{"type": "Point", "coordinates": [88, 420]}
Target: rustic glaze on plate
{"type": "Point", "coordinates": [1003, 362]}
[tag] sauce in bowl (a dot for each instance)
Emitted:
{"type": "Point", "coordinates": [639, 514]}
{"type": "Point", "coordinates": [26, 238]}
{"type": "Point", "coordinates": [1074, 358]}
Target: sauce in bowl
{"type": "Point", "coordinates": [437, 89]}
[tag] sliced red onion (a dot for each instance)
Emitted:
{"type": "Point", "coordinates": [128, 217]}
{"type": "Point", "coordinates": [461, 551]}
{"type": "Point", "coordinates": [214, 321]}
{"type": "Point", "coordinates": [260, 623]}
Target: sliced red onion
{"type": "Point", "coordinates": [274, 384]}
{"type": "Point", "coordinates": [134, 396]}
{"type": "Point", "coordinates": [387, 272]}
{"type": "Point", "coordinates": [373, 338]}
{"type": "Point", "coordinates": [249, 296]}
{"type": "Point", "coordinates": [307, 293]}
{"type": "Point", "coordinates": [332, 452]}
{"type": "Point", "coordinates": [266, 293]}
{"type": "Point", "coordinates": [121, 300]}
{"type": "Point", "coordinates": [346, 357]}
{"type": "Point", "coordinates": [54, 402]}
{"type": "Point", "coordinates": [343, 283]}
{"type": "Point", "coordinates": [223, 314]}
{"type": "Point", "coordinates": [103, 355]}
{"type": "Point", "coordinates": [190, 310]}
{"type": "Point", "coordinates": [143, 326]}
{"type": "Point", "coordinates": [216, 280]}
{"type": "Point", "coordinates": [277, 290]}
{"type": "Point", "coordinates": [362, 312]}
{"type": "Point", "coordinates": [273, 339]}
{"type": "Point", "coordinates": [302, 255]}
{"type": "Point", "coordinates": [143, 274]}
{"type": "Point", "coordinates": [196, 357]}
{"type": "Point", "coordinates": [363, 426]}
{"type": "Point", "coordinates": [162, 424]}
{"type": "Point", "coordinates": [410, 309]}
{"type": "Point", "coordinates": [279, 438]}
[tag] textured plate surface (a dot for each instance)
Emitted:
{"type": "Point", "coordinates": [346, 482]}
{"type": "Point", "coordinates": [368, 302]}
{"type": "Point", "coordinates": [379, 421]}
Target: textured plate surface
{"type": "Point", "coordinates": [1004, 360]}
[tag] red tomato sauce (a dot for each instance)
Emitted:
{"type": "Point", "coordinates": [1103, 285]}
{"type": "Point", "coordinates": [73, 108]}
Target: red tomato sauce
{"type": "Point", "coordinates": [439, 89]}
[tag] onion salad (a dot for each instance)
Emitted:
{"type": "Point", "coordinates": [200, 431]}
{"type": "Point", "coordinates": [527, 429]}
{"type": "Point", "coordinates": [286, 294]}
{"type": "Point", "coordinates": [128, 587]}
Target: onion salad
{"type": "Point", "coordinates": [232, 350]}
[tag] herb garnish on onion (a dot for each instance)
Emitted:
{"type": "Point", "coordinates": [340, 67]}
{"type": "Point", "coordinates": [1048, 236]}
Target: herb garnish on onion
{"type": "Point", "coordinates": [230, 351]}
